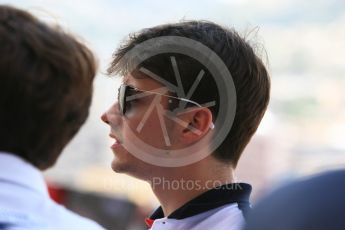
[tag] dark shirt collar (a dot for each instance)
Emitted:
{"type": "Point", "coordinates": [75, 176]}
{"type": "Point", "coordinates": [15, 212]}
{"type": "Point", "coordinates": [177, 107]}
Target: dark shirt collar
{"type": "Point", "coordinates": [217, 197]}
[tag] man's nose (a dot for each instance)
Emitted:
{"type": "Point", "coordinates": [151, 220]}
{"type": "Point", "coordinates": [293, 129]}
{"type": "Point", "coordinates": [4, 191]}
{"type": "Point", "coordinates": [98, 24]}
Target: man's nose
{"type": "Point", "coordinates": [112, 114]}
{"type": "Point", "coordinates": [104, 118]}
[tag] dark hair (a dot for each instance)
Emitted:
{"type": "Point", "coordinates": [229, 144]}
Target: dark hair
{"type": "Point", "coordinates": [249, 75]}
{"type": "Point", "coordinates": [46, 80]}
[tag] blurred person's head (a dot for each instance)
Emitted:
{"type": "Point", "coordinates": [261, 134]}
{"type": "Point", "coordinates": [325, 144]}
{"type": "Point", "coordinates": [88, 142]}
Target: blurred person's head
{"type": "Point", "coordinates": [316, 203]}
{"type": "Point", "coordinates": [46, 80]}
{"type": "Point", "coordinates": [250, 79]}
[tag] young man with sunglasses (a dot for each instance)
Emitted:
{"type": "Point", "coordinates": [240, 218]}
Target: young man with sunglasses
{"type": "Point", "coordinates": [193, 94]}
{"type": "Point", "coordinates": [46, 78]}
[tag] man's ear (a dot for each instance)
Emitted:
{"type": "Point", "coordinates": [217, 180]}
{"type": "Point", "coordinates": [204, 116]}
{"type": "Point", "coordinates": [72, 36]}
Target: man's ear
{"type": "Point", "coordinates": [196, 124]}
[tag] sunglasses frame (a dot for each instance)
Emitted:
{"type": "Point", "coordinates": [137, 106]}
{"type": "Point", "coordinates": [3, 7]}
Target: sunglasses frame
{"type": "Point", "coordinates": [123, 94]}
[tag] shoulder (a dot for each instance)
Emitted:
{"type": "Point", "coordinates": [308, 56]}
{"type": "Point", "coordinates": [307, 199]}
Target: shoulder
{"type": "Point", "coordinates": [44, 216]}
{"type": "Point", "coordinates": [228, 217]}
{"type": "Point", "coordinates": [318, 199]}
{"type": "Point", "coordinates": [68, 219]}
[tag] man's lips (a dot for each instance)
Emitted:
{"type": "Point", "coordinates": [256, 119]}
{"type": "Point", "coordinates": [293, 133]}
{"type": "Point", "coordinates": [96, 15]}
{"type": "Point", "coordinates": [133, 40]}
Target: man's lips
{"type": "Point", "coordinates": [117, 141]}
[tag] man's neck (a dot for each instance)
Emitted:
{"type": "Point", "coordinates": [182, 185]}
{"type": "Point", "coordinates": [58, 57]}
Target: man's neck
{"type": "Point", "coordinates": [177, 186]}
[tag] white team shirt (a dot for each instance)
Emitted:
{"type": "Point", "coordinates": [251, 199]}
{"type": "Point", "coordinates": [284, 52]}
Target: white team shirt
{"type": "Point", "coordinates": [220, 208]}
{"type": "Point", "coordinates": [228, 217]}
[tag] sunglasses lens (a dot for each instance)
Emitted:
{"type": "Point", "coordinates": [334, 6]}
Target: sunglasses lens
{"type": "Point", "coordinates": [122, 98]}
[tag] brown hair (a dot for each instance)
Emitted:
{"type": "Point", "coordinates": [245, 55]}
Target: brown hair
{"type": "Point", "coordinates": [46, 80]}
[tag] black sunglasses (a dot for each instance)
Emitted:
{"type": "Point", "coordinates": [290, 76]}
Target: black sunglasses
{"type": "Point", "coordinates": [127, 93]}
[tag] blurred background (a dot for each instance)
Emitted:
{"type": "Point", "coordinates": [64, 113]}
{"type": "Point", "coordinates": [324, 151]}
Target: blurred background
{"type": "Point", "coordinates": [303, 132]}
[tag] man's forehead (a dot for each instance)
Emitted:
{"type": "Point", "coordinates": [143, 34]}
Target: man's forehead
{"type": "Point", "coordinates": [134, 76]}
{"type": "Point", "coordinates": [141, 82]}
{"type": "Point", "coordinates": [125, 80]}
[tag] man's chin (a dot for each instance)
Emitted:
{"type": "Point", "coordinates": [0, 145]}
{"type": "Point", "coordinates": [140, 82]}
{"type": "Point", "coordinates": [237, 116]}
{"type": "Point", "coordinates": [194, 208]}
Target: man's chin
{"type": "Point", "coordinates": [118, 167]}
{"type": "Point", "coordinates": [128, 169]}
